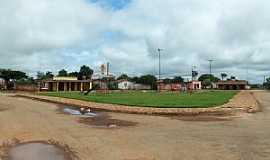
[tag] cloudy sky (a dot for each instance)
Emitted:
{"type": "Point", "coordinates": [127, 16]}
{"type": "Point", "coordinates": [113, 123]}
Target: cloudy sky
{"type": "Point", "coordinates": [48, 35]}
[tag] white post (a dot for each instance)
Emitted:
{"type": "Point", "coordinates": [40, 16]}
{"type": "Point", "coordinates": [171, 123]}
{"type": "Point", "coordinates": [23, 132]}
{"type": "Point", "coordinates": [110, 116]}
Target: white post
{"type": "Point", "coordinates": [81, 86]}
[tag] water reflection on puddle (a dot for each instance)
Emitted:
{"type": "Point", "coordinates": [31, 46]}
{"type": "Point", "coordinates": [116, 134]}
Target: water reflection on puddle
{"type": "Point", "coordinates": [37, 151]}
{"type": "Point", "coordinates": [96, 118]}
{"type": "Point", "coordinates": [81, 113]}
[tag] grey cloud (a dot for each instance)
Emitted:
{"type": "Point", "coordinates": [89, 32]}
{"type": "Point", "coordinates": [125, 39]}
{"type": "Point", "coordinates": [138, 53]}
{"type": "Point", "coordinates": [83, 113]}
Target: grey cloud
{"type": "Point", "coordinates": [67, 33]}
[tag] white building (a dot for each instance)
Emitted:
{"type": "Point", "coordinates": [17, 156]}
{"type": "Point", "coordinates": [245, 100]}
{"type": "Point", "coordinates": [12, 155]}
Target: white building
{"type": "Point", "coordinates": [195, 85]}
{"type": "Point", "coordinates": [125, 85]}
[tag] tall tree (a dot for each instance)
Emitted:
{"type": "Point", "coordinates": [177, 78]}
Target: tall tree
{"type": "Point", "coordinates": [207, 80]}
{"type": "Point", "coordinates": [178, 79]}
{"type": "Point", "coordinates": [167, 80]}
{"type": "Point", "coordinates": [63, 73]}
{"type": "Point", "coordinates": [206, 83]}
{"type": "Point", "coordinates": [233, 78]}
{"type": "Point", "coordinates": [135, 79]}
{"type": "Point", "coordinates": [149, 80]}
{"type": "Point", "coordinates": [49, 75]}
{"type": "Point", "coordinates": [73, 74]}
{"type": "Point", "coordinates": [43, 76]}
{"type": "Point", "coordinates": [85, 72]}
{"type": "Point", "coordinates": [123, 76]}
{"type": "Point", "coordinates": [211, 77]}
{"type": "Point", "coordinates": [223, 76]}
{"type": "Point", "coordinates": [29, 80]}
{"type": "Point", "coordinates": [40, 75]}
{"type": "Point", "coordinates": [8, 75]}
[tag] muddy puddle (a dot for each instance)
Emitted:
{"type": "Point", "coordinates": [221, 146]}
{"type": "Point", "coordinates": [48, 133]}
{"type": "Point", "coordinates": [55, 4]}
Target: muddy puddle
{"type": "Point", "coordinates": [105, 120]}
{"type": "Point", "coordinates": [37, 150]}
{"type": "Point", "coordinates": [77, 112]}
{"type": "Point", "coordinates": [95, 118]}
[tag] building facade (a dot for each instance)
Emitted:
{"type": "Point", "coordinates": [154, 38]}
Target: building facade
{"type": "Point", "coordinates": [65, 84]}
{"type": "Point", "coordinates": [194, 85]}
{"type": "Point", "coordinates": [232, 85]}
{"type": "Point", "coordinates": [169, 87]}
{"type": "Point", "coordinates": [125, 85]}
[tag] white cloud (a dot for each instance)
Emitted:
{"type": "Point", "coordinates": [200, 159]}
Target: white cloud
{"type": "Point", "coordinates": [44, 34]}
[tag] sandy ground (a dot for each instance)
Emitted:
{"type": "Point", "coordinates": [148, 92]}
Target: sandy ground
{"type": "Point", "coordinates": [152, 138]}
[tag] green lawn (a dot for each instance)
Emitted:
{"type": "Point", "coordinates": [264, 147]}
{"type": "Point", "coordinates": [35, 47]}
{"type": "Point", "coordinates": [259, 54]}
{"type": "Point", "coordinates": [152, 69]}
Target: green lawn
{"type": "Point", "coordinates": [152, 99]}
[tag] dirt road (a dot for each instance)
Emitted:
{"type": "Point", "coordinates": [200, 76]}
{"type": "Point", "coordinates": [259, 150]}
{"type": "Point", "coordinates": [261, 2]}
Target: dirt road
{"type": "Point", "coordinates": [152, 138]}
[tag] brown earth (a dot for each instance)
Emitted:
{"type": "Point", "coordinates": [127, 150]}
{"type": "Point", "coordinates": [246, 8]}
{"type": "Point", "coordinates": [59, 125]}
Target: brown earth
{"type": "Point", "coordinates": [152, 138]}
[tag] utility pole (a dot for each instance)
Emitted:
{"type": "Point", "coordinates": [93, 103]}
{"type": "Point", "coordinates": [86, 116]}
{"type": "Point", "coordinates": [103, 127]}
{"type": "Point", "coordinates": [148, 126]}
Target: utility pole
{"type": "Point", "coordinates": [210, 66]}
{"type": "Point", "coordinates": [159, 65]}
{"type": "Point", "coordinates": [108, 78]}
{"type": "Point", "coordinates": [264, 80]}
{"type": "Point", "coordinates": [108, 65]}
{"type": "Point", "coordinates": [192, 72]}
{"type": "Point", "coordinates": [247, 77]}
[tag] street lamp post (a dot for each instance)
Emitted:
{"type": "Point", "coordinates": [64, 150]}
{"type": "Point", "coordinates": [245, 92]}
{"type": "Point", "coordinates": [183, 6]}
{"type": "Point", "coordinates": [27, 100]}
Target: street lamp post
{"type": "Point", "coordinates": [210, 66]}
{"type": "Point", "coordinates": [192, 72]}
{"type": "Point", "coordinates": [159, 63]}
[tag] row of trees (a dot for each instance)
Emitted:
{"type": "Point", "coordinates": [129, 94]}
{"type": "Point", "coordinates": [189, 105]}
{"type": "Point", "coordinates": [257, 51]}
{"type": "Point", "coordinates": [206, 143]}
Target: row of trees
{"type": "Point", "coordinates": [206, 79]}
{"type": "Point", "coordinates": [85, 73]}
{"type": "Point", "coordinates": [11, 76]}
{"type": "Point", "coordinates": [149, 79]}
{"type": "Point", "coordinates": [145, 79]}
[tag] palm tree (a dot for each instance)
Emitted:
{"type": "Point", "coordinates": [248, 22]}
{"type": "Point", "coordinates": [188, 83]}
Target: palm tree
{"type": "Point", "coordinates": [223, 75]}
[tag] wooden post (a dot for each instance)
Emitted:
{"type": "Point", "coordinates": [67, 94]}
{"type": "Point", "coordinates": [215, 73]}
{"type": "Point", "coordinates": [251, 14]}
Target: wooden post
{"type": "Point", "coordinates": [57, 87]}
{"type": "Point", "coordinates": [69, 86]}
